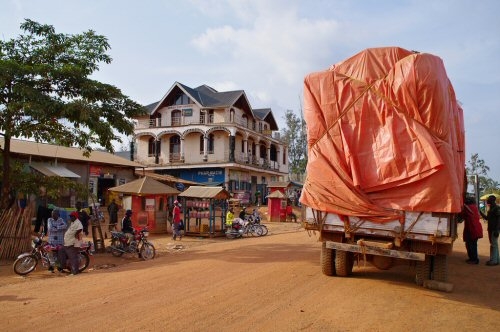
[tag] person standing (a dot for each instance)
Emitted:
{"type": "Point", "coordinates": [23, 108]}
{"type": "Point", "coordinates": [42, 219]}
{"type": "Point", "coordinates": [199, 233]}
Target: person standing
{"type": "Point", "coordinates": [56, 227]}
{"type": "Point", "coordinates": [493, 218]}
{"type": "Point", "coordinates": [72, 244]}
{"type": "Point", "coordinates": [113, 215]}
{"type": "Point", "coordinates": [473, 230]}
{"type": "Point", "coordinates": [83, 217]}
{"type": "Point", "coordinates": [176, 223]}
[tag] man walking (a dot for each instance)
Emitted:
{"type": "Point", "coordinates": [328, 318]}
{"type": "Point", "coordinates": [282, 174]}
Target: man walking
{"type": "Point", "coordinates": [493, 218]}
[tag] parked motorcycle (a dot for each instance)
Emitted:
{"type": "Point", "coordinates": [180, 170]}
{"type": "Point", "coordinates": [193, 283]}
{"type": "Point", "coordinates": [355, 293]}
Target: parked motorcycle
{"type": "Point", "coordinates": [47, 254]}
{"type": "Point", "coordinates": [139, 244]}
{"type": "Point", "coordinates": [242, 227]}
{"type": "Point", "coordinates": [254, 219]}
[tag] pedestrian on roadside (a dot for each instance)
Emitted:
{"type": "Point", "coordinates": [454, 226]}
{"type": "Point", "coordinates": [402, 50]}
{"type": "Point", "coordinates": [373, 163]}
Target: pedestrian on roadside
{"type": "Point", "coordinates": [56, 227]}
{"type": "Point", "coordinates": [473, 230]}
{"type": "Point", "coordinates": [83, 217]}
{"type": "Point", "coordinates": [493, 218]}
{"type": "Point", "coordinates": [113, 214]}
{"type": "Point", "coordinates": [176, 223]}
{"type": "Point", "coordinates": [72, 244]}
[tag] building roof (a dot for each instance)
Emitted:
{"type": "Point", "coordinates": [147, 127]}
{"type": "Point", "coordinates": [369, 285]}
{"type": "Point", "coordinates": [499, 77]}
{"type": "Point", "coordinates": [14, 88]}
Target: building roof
{"type": "Point", "coordinates": [145, 186]}
{"type": "Point", "coordinates": [206, 192]}
{"type": "Point", "coordinates": [277, 184]}
{"type": "Point", "coordinates": [207, 97]}
{"type": "Point", "coordinates": [165, 178]}
{"type": "Point", "coordinates": [276, 194]}
{"type": "Point", "coordinates": [50, 151]}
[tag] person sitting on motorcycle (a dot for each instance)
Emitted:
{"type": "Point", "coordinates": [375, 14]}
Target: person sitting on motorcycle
{"type": "Point", "coordinates": [127, 227]}
{"type": "Point", "coordinates": [230, 217]}
{"type": "Point", "coordinates": [243, 213]}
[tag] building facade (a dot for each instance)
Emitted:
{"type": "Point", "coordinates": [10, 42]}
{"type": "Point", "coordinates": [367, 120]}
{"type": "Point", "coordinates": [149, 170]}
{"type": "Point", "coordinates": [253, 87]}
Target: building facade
{"type": "Point", "coordinates": [214, 138]}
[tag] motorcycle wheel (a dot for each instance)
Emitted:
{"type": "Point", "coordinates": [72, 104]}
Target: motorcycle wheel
{"type": "Point", "coordinates": [259, 230]}
{"type": "Point", "coordinates": [24, 265]}
{"type": "Point", "coordinates": [83, 261]}
{"type": "Point", "coordinates": [147, 251]}
{"type": "Point", "coordinates": [264, 229]}
{"type": "Point", "coordinates": [116, 247]}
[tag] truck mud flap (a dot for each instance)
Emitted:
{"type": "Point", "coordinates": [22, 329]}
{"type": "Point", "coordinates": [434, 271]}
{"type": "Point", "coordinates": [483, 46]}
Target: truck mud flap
{"type": "Point", "coordinates": [377, 251]}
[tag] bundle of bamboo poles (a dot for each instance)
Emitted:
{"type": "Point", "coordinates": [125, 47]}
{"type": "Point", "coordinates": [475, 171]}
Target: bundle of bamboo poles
{"type": "Point", "coordinates": [15, 231]}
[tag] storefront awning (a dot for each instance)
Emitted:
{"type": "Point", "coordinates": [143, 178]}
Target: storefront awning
{"type": "Point", "coordinates": [51, 170]}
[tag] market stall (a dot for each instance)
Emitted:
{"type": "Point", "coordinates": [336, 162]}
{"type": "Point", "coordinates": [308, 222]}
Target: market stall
{"type": "Point", "coordinates": [204, 210]}
{"type": "Point", "coordinates": [148, 200]}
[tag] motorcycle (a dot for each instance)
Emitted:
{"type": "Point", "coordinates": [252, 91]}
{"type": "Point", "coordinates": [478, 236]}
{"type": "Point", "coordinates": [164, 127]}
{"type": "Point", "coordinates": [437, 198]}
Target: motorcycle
{"type": "Point", "coordinates": [242, 227]}
{"type": "Point", "coordinates": [47, 254]}
{"type": "Point", "coordinates": [139, 244]}
{"type": "Point", "coordinates": [254, 219]}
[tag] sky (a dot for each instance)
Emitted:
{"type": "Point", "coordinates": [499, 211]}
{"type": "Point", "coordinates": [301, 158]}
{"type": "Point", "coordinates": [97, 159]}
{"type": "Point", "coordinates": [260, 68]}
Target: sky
{"type": "Point", "coordinates": [267, 47]}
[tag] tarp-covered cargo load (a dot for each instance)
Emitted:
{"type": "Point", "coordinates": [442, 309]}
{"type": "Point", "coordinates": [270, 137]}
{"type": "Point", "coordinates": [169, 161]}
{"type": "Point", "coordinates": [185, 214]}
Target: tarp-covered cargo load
{"type": "Point", "coordinates": [385, 133]}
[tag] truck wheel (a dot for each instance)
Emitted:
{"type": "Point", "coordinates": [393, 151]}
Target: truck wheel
{"type": "Point", "coordinates": [423, 270]}
{"type": "Point", "coordinates": [344, 261]}
{"type": "Point", "coordinates": [327, 260]}
{"type": "Point", "coordinates": [440, 268]}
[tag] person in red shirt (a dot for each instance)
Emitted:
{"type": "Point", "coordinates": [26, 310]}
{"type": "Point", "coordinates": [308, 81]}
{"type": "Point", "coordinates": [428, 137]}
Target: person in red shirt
{"type": "Point", "coordinates": [473, 230]}
{"type": "Point", "coordinates": [176, 223]}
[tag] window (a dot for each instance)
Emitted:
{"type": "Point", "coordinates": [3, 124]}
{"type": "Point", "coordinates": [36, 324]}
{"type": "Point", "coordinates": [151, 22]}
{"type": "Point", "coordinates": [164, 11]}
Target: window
{"type": "Point", "coordinates": [211, 144]}
{"type": "Point", "coordinates": [284, 156]}
{"type": "Point", "coordinates": [176, 117]}
{"type": "Point", "coordinates": [152, 146]}
{"type": "Point", "coordinates": [202, 143]}
{"type": "Point", "coordinates": [182, 99]}
{"type": "Point", "coordinates": [175, 148]}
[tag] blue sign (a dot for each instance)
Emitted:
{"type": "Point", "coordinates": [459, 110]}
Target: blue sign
{"type": "Point", "coordinates": [179, 186]}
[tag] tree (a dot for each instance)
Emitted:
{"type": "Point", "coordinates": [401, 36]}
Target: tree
{"type": "Point", "coordinates": [295, 136]}
{"type": "Point", "coordinates": [46, 93]}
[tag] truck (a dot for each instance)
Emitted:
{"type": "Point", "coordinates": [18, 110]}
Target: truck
{"type": "Point", "coordinates": [385, 175]}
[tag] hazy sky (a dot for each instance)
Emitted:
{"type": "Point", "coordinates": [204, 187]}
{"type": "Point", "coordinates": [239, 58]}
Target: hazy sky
{"type": "Point", "coordinates": [267, 47]}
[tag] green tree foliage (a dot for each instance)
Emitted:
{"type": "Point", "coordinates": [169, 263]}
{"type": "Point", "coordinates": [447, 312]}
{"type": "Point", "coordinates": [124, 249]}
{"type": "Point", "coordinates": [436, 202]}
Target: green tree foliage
{"type": "Point", "coordinates": [478, 166]}
{"type": "Point", "coordinates": [295, 136]}
{"type": "Point", "coordinates": [47, 94]}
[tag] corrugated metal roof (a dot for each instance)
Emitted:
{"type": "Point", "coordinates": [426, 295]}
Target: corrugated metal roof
{"type": "Point", "coordinates": [51, 170]}
{"type": "Point", "coordinates": [145, 186]}
{"type": "Point", "coordinates": [206, 192]}
{"type": "Point", "coordinates": [61, 152]}
{"type": "Point", "coordinates": [165, 177]}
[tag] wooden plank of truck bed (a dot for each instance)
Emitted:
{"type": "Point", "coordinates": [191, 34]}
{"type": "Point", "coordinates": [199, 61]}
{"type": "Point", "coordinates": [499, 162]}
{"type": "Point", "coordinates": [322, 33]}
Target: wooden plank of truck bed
{"type": "Point", "coordinates": [376, 251]}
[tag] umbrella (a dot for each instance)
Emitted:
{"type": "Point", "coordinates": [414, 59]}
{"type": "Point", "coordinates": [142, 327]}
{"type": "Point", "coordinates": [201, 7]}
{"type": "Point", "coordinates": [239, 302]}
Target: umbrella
{"type": "Point", "coordinates": [145, 186]}
{"type": "Point", "coordinates": [485, 197]}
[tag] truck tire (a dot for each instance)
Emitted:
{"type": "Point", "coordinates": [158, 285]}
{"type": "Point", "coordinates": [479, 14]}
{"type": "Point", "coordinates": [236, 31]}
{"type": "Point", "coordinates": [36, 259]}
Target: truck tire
{"type": "Point", "coordinates": [423, 271]}
{"type": "Point", "coordinates": [440, 268]}
{"type": "Point", "coordinates": [327, 260]}
{"type": "Point", "coordinates": [344, 261]}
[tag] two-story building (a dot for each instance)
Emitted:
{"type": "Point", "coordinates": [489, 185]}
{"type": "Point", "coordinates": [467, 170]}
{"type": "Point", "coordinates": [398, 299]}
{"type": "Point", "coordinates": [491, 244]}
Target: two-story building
{"type": "Point", "coordinates": [212, 137]}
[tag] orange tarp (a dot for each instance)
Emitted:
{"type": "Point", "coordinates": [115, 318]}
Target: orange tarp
{"type": "Point", "coordinates": [385, 133]}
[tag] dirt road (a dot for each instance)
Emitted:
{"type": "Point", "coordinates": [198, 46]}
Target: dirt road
{"type": "Point", "coordinates": [271, 283]}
